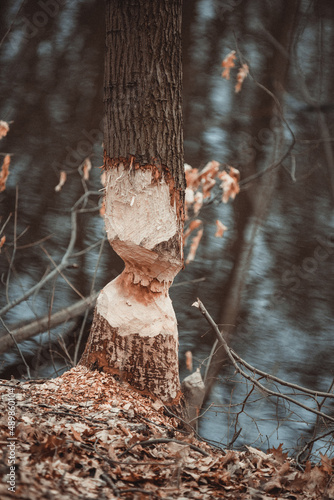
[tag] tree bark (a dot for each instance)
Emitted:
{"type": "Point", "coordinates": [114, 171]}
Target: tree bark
{"type": "Point", "coordinates": [134, 332]}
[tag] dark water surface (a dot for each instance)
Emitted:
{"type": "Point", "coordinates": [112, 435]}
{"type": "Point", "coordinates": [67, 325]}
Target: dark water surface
{"type": "Point", "coordinates": [270, 279]}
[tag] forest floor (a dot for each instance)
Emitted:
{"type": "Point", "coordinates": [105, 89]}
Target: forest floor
{"type": "Point", "coordinates": [86, 436]}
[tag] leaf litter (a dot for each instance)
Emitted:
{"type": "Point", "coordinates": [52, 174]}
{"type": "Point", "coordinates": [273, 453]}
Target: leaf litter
{"type": "Point", "coordinates": [85, 435]}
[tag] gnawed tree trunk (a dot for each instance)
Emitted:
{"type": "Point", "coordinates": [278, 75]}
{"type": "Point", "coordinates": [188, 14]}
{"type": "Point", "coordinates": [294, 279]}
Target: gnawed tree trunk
{"type": "Point", "coordinates": [134, 333]}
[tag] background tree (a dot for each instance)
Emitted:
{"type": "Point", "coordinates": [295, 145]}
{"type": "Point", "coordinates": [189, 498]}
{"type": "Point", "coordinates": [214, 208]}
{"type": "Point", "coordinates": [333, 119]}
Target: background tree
{"type": "Point", "coordinates": [134, 332]}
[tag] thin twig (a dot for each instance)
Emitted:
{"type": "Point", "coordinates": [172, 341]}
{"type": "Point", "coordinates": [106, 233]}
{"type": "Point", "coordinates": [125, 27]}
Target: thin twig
{"type": "Point", "coordinates": [17, 347]}
{"type": "Point", "coordinates": [64, 261]}
{"type": "Point", "coordinates": [78, 342]}
{"type": "Point", "coordinates": [62, 274]}
{"type": "Point", "coordinates": [277, 163]}
{"type": "Point", "coordinates": [279, 380]}
{"type": "Point", "coordinates": [249, 377]}
{"type": "Point", "coordinates": [109, 481]}
{"type": "Point", "coordinates": [14, 244]}
{"type": "Point", "coordinates": [311, 442]}
{"type": "Point", "coordinates": [12, 23]}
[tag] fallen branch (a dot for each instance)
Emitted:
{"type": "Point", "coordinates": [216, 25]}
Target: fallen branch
{"type": "Point", "coordinates": [47, 322]}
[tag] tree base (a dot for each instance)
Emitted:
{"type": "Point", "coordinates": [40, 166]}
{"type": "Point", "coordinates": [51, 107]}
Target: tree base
{"type": "Point", "coordinates": [126, 355]}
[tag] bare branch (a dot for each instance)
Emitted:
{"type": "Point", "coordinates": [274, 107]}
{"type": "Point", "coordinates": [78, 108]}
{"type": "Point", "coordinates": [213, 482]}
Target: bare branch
{"type": "Point", "coordinates": [254, 381]}
{"type": "Point", "coordinates": [64, 261]}
{"type": "Point", "coordinates": [10, 334]}
{"type": "Point", "coordinates": [42, 324]}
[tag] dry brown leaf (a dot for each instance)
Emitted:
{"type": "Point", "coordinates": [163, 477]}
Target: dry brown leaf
{"type": "Point", "coordinates": [317, 479]}
{"type": "Point", "coordinates": [234, 173]}
{"type": "Point", "coordinates": [211, 169]}
{"type": "Point", "coordinates": [102, 209]}
{"type": "Point", "coordinates": [230, 184]}
{"type": "Point", "coordinates": [326, 463]}
{"type": "Point", "coordinates": [2, 242]}
{"type": "Point", "coordinates": [194, 245]}
{"type": "Point", "coordinates": [4, 172]}
{"type": "Point", "coordinates": [76, 434]}
{"type": "Point", "coordinates": [278, 454]}
{"type": "Point", "coordinates": [189, 361]}
{"type": "Point", "coordinates": [220, 229]}
{"type": "Point", "coordinates": [207, 186]}
{"type": "Point", "coordinates": [273, 484]}
{"type": "Point", "coordinates": [194, 224]}
{"type": "Point", "coordinates": [228, 63]}
{"type": "Point", "coordinates": [229, 457]}
{"type": "Point", "coordinates": [198, 199]}
{"type": "Point", "coordinates": [112, 453]}
{"type": "Point", "coordinates": [178, 450]}
{"type": "Point", "coordinates": [62, 180]}
{"type": "Point", "coordinates": [242, 73]}
{"type": "Point", "coordinates": [192, 176]}
{"type": "Point", "coordinates": [4, 128]}
{"type": "Point", "coordinates": [87, 166]}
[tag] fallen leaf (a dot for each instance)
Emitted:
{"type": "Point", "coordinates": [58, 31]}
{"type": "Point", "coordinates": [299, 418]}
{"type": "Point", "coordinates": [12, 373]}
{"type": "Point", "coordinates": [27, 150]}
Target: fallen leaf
{"type": "Point", "coordinates": [229, 457]}
{"type": "Point", "coordinates": [278, 454]}
{"type": "Point", "coordinates": [211, 169]}
{"type": "Point", "coordinates": [76, 435]}
{"type": "Point", "coordinates": [326, 464]}
{"type": "Point", "coordinates": [192, 176]}
{"type": "Point", "coordinates": [207, 186]}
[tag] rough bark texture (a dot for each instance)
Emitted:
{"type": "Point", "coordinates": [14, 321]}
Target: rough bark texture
{"type": "Point", "coordinates": [143, 84]}
{"type": "Point", "coordinates": [126, 356]}
{"type": "Point", "coordinates": [134, 333]}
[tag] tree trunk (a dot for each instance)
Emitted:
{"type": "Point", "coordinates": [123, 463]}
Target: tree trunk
{"type": "Point", "coordinates": [134, 333]}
